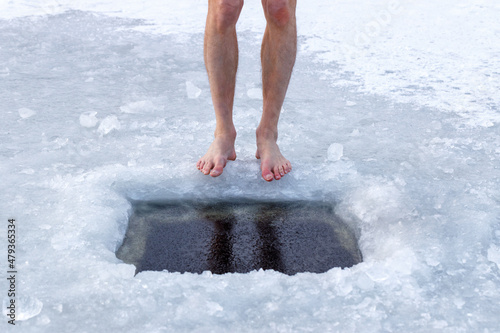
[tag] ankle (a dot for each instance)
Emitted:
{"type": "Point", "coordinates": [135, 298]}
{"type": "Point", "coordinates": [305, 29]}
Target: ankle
{"type": "Point", "coordinates": [266, 133]}
{"type": "Point", "coordinates": [229, 132]}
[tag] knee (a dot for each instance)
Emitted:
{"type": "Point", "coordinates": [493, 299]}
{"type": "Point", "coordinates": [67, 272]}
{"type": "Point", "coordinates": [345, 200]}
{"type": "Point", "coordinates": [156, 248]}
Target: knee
{"type": "Point", "coordinates": [226, 12]}
{"type": "Point", "coordinates": [279, 12]}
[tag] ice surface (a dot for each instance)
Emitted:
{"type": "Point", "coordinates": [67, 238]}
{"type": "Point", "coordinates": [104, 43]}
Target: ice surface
{"type": "Point", "coordinates": [255, 93]}
{"type": "Point", "coordinates": [419, 184]}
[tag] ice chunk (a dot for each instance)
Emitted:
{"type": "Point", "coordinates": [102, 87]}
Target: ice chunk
{"type": "Point", "coordinates": [344, 288]}
{"type": "Point", "coordinates": [350, 103]}
{"type": "Point", "coordinates": [88, 119]}
{"type": "Point", "coordinates": [377, 274]}
{"type": "Point", "coordinates": [26, 113]}
{"type": "Point", "coordinates": [375, 202]}
{"type": "Point", "coordinates": [27, 307]}
{"type": "Point", "coordinates": [335, 152]}
{"type": "Point", "coordinates": [138, 107]}
{"type": "Point", "coordinates": [4, 72]}
{"type": "Point", "coordinates": [108, 124]}
{"type": "Point", "coordinates": [214, 308]}
{"type": "Point", "coordinates": [192, 91]}
{"type": "Point", "coordinates": [355, 132]}
{"type": "Point", "coordinates": [255, 93]}
{"type": "Point", "coordinates": [364, 282]}
{"type": "Point", "coordinates": [494, 254]}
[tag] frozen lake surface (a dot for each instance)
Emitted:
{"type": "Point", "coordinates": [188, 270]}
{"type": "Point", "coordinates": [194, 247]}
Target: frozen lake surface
{"type": "Point", "coordinates": [392, 114]}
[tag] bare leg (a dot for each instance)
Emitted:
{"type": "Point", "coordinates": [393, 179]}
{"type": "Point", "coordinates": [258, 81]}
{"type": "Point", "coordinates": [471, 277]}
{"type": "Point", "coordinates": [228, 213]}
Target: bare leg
{"type": "Point", "coordinates": [279, 48]}
{"type": "Point", "coordinates": [221, 61]}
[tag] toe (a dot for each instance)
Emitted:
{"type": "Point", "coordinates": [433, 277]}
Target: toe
{"type": "Point", "coordinates": [277, 175]}
{"type": "Point", "coordinates": [281, 170]}
{"type": "Point", "coordinates": [218, 167]}
{"type": "Point", "coordinates": [208, 166]}
{"type": "Point", "coordinates": [266, 172]}
{"type": "Point", "coordinates": [267, 175]}
{"type": "Point", "coordinates": [216, 171]}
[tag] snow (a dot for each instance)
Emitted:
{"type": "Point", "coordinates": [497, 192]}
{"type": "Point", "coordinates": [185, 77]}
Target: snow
{"type": "Point", "coordinates": [106, 101]}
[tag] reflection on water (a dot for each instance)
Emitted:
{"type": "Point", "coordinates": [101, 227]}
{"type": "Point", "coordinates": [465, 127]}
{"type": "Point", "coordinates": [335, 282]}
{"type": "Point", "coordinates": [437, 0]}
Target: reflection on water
{"type": "Point", "coordinates": [237, 236]}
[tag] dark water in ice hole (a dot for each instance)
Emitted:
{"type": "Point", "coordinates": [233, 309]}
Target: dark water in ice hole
{"type": "Point", "coordinates": [237, 236]}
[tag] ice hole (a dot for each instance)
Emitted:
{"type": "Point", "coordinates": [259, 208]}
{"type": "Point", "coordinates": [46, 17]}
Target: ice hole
{"type": "Point", "coordinates": [237, 236]}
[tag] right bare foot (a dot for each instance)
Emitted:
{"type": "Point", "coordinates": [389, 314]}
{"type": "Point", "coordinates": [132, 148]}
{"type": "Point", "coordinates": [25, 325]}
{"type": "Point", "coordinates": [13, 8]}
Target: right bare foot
{"type": "Point", "coordinates": [273, 163]}
{"type": "Point", "coordinates": [220, 151]}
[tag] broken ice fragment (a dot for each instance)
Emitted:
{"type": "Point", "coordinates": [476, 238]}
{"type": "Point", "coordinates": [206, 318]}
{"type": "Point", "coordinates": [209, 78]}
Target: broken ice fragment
{"type": "Point", "coordinates": [108, 124]}
{"type": "Point", "coordinates": [192, 91]}
{"type": "Point", "coordinates": [26, 113]}
{"type": "Point", "coordinates": [88, 119]}
{"type": "Point", "coordinates": [335, 152]}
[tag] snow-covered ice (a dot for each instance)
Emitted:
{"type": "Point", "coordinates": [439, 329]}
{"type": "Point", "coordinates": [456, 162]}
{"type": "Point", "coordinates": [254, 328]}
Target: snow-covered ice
{"type": "Point", "coordinates": [96, 110]}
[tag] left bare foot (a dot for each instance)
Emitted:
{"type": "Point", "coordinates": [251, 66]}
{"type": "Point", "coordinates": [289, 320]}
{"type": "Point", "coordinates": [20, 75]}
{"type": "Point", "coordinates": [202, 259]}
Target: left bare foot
{"type": "Point", "coordinates": [273, 164]}
{"type": "Point", "coordinates": [220, 151]}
